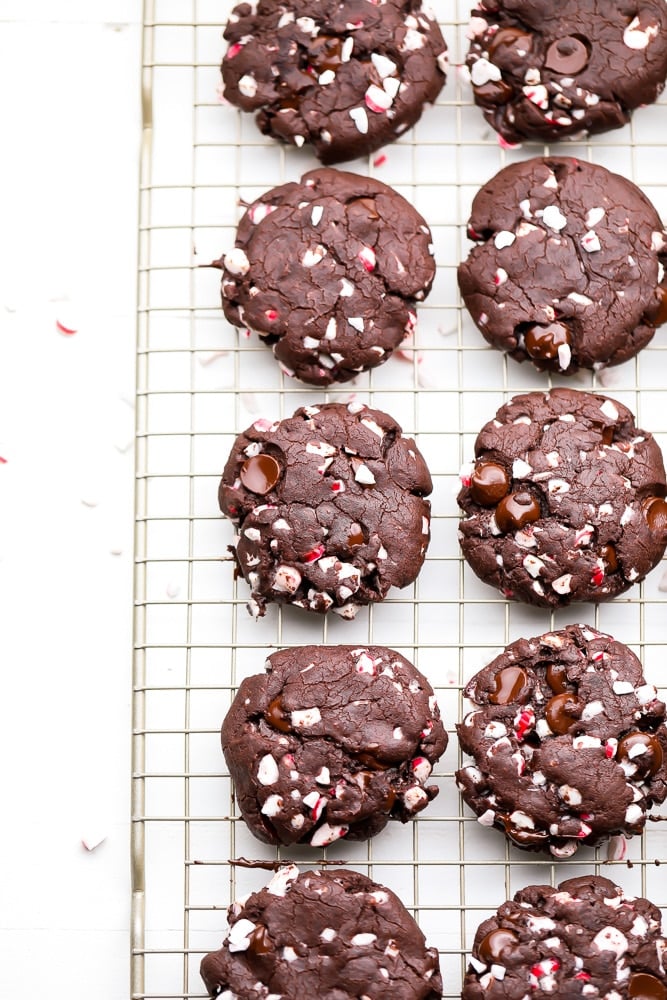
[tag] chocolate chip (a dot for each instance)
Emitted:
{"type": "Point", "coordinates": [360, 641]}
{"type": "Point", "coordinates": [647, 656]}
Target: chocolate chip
{"type": "Point", "coordinates": [260, 474]}
{"type": "Point", "coordinates": [567, 55]}
{"type": "Point", "coordinates": [492, 92]}
{"type": "Point", "coordinates": [655, 512]}
{"type": "Point", "coordinates": [648, 762]}
{"type": "Point", "coordinates": [661, 315]}
{"type": "Point", "coordinates": [557, 677]}
{"type": "Point", "coordinates": [489, 483]}
{"type": "Point", "coordinates": [277, 717]}
{"type": "Point", "coordinates": [511, 685]}
{"type": "Point", "coordinates": [507, 37]}
{"type": "Point", "coordinates": [542, 342]}
{"type": "Point", "coordinates": [562, 711]}
{"type": "Point", "coordinates": [608, 553]}
{"type": "Point", "coordinates": [516, 511]}
{"type": "Point", "coordinates": [260, 942]}
{"type": "Point", "coordinates": [324, 53]}
{"type": "Point", "coordinates": [643, 986]}
{"type": "Point", "coordinates": [491, 947]}
{"type": "Point", "coordinates": [356, 536]}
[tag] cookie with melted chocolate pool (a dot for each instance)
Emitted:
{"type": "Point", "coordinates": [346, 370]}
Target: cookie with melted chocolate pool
{"type": "Point", "coordinates": [585, 937]}
{"type": "Point", "coordinates": [568, 741]}
{"type": "Point", "coordinates": [565, 500]}
{"type": "Point", "coordinates": [552, 71]}
{"type": "Point", "coordinates": [346, 76]}
{"type": "Point", "coordinates": [332, 742]}
{"type": "Point", "coordinates": [568, 267]}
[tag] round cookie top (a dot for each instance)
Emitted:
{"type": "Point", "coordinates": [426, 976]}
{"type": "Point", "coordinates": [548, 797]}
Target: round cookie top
{"type": "Point", "coordinates": [346, 76]}
{"type": "Point", "coordinates": [332, 742]}
{"type": "Point", "coordinates": [584, 938]}
{"type": "Point", "coordinates": [332, 935]}
{"type": "Point", "coordinates": [569, 266]}
{"type": "Point", "coordinates": [547, 71]}
{"type": "Point", "coordinates": [564, 501]}
{"type": "Point", "coordinates": [327, 271]}
{"type": "Point", "coordinates": [569, 742]}
{"type": "Point", "coordinates": [330, 508]}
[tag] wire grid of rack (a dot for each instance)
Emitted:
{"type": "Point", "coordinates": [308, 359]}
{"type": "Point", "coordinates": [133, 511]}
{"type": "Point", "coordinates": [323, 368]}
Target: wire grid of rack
{"type": "Point", "coordinates": [200, 382]}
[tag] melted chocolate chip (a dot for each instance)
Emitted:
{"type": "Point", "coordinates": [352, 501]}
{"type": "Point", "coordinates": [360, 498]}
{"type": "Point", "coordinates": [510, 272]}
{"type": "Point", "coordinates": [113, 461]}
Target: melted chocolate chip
{"type": "Point", "coordinates": [557, 678]}
{"type": "Point", "coordinates": [643, 986]}
{"type": "Point", "coordinates": [356, 536]}
{"type": "Point", "coordinates": [511, 685]}
{"type": "Point", "coordinates": [370, 760]}
{"type": "Point", "coordinates": [324, 53]}
{"type": "Point", "coordinates": [369, 205]}
{"type": "Point", "coordinates": [608, 553]}
{"type": "Point", "coordinates": [655, 512]}
{"type": "Point", "coordinates": [260, 942]}
{"type": "Point", "coordinates": [492, 946]}
{"type": "Point", "coordinates": [493, 92]}
{"type": "Point", "coordinates": [516, 511]}
{"type": "Point", "coordinates": [648, 762]}
{"type": "Point", "coordinates": [562, 711]}
{"type": "Point", "coordinates": [489, 483]}
{"type": "Point", "coordinates": [661, 315]}
{"type": "Point", "coordinates": [510, 37]}
{"type": "Point", "coordinates": [542, 342]}
{"type": "Point", "coordinates": [260, 474]}
{"type": "Point", "coordinates": [567, 55]}
{"type": "Point", "coordinates": [276, 716]}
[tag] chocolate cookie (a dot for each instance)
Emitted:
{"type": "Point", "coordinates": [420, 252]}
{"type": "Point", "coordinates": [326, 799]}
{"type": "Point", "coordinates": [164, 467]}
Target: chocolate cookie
{"type": "Point", "coordinates": [564, 501]}
{"type": "Point", "coordinates": [327, 271]}
{"type": "Point", "coordinates": [562, 70]}
{"type": "Point", "coordinates": [331, 935]}
{"type": "Point", "coordinates": [569, 267]}
{"type": "Point", "coordinates": [346, 76]}
{"type": "Point", "coordinates": [584, 939]}
{"type": "Point", "coordinates": [569, 742]}
{"type": "Point", "coordinates": [333, 741]}
{"type": "Point", "coordinates": [330, 508]}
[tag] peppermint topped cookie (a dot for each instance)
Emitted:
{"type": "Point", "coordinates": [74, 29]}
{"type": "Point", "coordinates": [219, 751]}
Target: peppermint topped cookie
{"type": "Point", "coordinates": [565, 499]}
{"type": "Point", "coordinates": [550, 71]}
{"type": "Point", "coordinates": [330, 507]}
{"type": "Point", "coordinates": [346, 77]}
{"type": "Point", "coordinates": [568, 270]}
{"type": "Point", "coordinates": [584, 938]}
{"type": "Point", "coordinates": [568, 741]}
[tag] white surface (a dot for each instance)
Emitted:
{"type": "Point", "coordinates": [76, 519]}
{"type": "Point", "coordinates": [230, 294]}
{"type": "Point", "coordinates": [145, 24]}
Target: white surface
{"type": "Point", "coordinates": [68, 198]}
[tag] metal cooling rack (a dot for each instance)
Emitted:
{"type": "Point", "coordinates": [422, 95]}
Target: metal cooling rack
{"type": "Point", "coordinates": [200, 382]}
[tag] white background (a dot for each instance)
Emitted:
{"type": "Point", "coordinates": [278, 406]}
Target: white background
{"type": "Point", "coordinates": [70, 126]}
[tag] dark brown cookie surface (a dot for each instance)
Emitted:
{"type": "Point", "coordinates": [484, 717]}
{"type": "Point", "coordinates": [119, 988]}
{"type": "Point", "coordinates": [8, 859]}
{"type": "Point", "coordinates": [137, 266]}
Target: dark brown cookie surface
{"type": "Point", "coordinates": [549, 71]}
{"type": "Point", "coordinates": [568, 740]}
{"type": "Point", "coordinates": [565, 499]}
{"type": "Point", "coordinates": [569, 267]}
{"type": "Point", "coordinates": [334, 935]}
{"type": "Point", "coordinates": [330, 508]}
{"type": "Point", "coordinates": [332, 742]}
{"type": "Point", "coordinates": [346, 77]}
{"type": "Point", "coordinates": [327, 271]}
{"type": "Point", "coordinates": [584, 938]}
